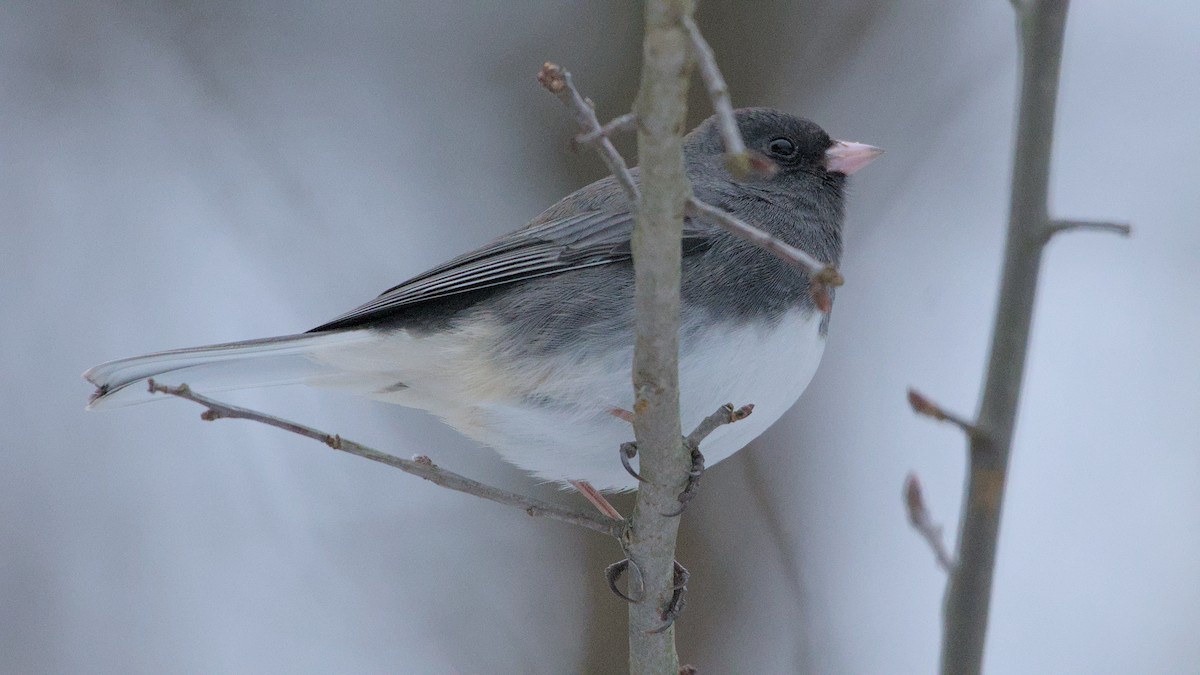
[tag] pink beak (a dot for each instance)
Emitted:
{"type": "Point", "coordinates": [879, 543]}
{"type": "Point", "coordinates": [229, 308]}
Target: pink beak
{"type": "Point", "coordinates": [846, 157]}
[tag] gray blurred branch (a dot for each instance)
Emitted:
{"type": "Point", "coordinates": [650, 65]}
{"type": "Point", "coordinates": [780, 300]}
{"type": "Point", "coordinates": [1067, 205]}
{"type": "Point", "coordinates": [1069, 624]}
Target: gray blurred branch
{"type": "Point", "coordinates": [1040, 24]}
{"type": "Point", "coordinates": [420, 466]}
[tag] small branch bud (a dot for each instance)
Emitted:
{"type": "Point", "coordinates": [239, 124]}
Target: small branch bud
{"type": "Point", "coordinates": [742, 413]}
{"type": "Point", "coordinates": [918, 517]}
{"type": "Point", "coordinates": [923, 406]}
{"type": "Point", "coordinates": [830, 277]}
{"type": "Point", "coordinates": [552, 77]}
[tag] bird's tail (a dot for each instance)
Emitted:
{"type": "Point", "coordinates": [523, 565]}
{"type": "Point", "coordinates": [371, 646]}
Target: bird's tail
{"type": "Point", "coordinates": [266, 362]}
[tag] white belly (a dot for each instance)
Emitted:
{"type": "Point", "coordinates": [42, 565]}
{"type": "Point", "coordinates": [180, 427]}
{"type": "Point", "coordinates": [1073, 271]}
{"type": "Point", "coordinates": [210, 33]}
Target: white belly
{"type": "Point", "coordinates": [769, 367]}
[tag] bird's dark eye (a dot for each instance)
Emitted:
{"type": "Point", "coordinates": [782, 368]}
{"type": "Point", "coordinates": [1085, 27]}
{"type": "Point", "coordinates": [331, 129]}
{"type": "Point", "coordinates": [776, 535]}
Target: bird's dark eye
{"type": "Point", "coordinates": [782, 148]}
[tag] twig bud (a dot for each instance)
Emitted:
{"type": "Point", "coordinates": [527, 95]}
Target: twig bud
{"type": "Point", "coordinates": [923, 406]}
{"type": "Point", "coordinates": [914, 501]}
{"type": "Point", "coordinates": [552, 77]}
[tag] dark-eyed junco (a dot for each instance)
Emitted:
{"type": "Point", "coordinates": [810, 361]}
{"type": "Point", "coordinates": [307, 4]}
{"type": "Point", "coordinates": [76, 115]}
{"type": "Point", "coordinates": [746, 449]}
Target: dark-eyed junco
{"type": "Point", "coordinates": [526, 344]}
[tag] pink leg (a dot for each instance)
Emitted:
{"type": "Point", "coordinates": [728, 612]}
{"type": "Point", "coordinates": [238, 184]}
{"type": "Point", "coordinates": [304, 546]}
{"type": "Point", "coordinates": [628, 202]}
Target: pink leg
{"type": "Point", "coordinates": [621, 413]}
{"type": "Point", "coordinates": [593, 495]}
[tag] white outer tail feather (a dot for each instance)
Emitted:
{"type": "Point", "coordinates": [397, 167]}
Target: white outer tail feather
{"type": "Point", "coordinates": [288, 359]}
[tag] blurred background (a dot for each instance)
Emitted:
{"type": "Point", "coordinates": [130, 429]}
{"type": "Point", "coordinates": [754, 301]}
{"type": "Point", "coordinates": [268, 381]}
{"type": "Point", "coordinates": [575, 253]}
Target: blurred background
{"type": "Point", "coordinates": [178, 173]}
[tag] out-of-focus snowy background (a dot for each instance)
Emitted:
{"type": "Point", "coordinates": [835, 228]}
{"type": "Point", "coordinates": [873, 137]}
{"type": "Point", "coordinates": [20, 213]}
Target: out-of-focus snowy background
{"type": "Point", "coordinates": [178, 173]}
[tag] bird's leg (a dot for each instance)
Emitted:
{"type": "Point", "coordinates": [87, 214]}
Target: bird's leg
{"type": "Point", "coordinates": [621, 414]}
{"type": "Point", "coordinates": [628, 450]}
{"type": "Point", "coordinates": [593, 495]}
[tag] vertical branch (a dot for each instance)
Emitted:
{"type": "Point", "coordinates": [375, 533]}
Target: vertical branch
{"type": "Point", "coordinates": [660, 109]}
{"type": "Point", "coordinates": [1040, 24]}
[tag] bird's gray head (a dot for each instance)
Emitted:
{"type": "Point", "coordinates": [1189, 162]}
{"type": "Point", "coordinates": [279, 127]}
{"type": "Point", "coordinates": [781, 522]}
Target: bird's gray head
{"type": "Point", "coordinates": [800, 202]}
{"type": "Point", "coordinates": [806, 160]}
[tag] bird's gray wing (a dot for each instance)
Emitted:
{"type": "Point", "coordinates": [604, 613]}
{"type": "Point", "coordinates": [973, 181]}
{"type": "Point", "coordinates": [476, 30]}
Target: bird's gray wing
{"type": "Point", "coordinates": [574, 242]}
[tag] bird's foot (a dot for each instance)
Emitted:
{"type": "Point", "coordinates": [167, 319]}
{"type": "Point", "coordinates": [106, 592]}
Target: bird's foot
{"type": "Point", "coordinates": [613, 573]}
{"type": "Point", "coordinates": [675, 606]}
{"type": "Point", "coordinates": [679, 588]}
{"type": "Point", "coordinates": [693, 482]}
{"type": "Point", "coordinates": [726, 415]}
{"type": "Point", "coordinates": [628, 451]}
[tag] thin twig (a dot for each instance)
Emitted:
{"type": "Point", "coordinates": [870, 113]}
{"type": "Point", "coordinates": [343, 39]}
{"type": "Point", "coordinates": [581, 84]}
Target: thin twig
{"type": "Point", "coordinates": [726, 414]}
{"type": "Point", "coordinates": [420, 466]}
{"type": "Point", "coordinates": [626, 122]}
{"type": "Point", "coordinates": [795, 257]}
{"type": "Point", "coordinates": [557, 80]}
{"type": "Point", "coordinates": [1057, 226]}
{"type": "Point", "coordinates": [822, 275]}
{"type": "Point", "coordinates": [919, 518]}
{"type": "Point", "coordinates": [740, 161]}
{"type": "Point", "coordinates": [923, 406]}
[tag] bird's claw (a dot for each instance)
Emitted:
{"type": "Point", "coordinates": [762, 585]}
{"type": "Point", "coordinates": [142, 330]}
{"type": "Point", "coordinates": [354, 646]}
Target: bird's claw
{"type": "Point", "coordinates": [693, 482]}
{"type": "Point", "coordinates": [613, 573]}
{"type": "Point", "coordinates": [697, 469]}
{"type": "Point", "coordinates": [628, 451]}
{"type": "Point", "coordinates": [675, 606]}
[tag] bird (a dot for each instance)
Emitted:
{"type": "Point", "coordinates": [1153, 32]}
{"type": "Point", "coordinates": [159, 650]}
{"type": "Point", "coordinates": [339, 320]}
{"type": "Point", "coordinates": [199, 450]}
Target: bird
{"type": "Point", "coordinates": [526, 343]}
